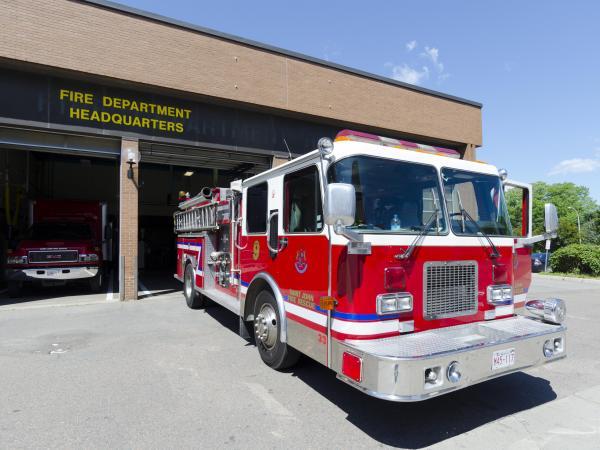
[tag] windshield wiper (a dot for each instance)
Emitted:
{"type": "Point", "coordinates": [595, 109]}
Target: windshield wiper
{"type": "Point", "coordinates": [495, 253]}
{"type": "Point", "coordinates": [406, 254]}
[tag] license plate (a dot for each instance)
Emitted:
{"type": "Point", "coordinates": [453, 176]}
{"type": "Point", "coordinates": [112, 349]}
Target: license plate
{"type": "Point", "coordinates": [503, 358]}
{"type": "Point", "coordinates": [51, 273]}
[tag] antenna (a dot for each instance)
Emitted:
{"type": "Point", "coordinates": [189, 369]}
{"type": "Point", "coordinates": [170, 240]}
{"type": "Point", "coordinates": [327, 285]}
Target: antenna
{"type": "Point", "coordinates": [288, 149]}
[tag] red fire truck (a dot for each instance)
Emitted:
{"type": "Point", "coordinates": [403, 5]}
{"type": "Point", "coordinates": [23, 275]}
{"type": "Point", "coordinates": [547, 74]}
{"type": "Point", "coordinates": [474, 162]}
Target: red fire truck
{"type": "Point", "coordinates": [392, 263]}
{"type": "Point", "coordinates": [65, 242]}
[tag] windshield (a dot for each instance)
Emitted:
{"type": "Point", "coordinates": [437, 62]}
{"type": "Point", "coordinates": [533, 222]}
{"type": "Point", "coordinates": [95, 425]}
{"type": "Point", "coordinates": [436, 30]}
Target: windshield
{"type": "Point", "coordinates": [59, 232]}
{"type": "Point", "coordinates": [391, 196]}
{"type": "Point", "coordinates": [482, 197]}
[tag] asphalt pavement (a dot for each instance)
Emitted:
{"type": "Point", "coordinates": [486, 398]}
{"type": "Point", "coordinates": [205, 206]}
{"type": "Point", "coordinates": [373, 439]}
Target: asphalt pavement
{"type": "Point", "coordinates": [83, 372]}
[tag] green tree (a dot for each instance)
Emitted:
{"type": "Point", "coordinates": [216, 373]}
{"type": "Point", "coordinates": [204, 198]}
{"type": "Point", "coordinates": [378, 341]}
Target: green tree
{"type": "Point", "coordinates": [567, 197]}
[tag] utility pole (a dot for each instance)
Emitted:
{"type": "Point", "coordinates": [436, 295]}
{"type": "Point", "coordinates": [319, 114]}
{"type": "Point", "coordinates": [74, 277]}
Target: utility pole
{"type": "Point", "coordinates": [578, 222]}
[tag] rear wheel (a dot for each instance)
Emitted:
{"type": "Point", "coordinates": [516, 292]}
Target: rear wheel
{"type": "Point", "coordinates": [194, 299]}
{"type": "Point", "coordinates": [96, 283]}
{"type": "Point", "coordinates": [267, 331]}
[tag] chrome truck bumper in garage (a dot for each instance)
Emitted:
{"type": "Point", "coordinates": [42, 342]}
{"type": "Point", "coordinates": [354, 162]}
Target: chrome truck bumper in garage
{"type": "Point", "coordinates": [52, 273]}
{"type": "Point", "coordinates": [423, 365]}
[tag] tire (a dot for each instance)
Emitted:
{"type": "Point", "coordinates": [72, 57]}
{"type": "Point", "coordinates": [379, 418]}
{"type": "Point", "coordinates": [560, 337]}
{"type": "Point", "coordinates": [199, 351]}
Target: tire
{"type": "Point", "coordinates": [96, 283]}
{"type": "Point", "coordinates": [194, 299]}
{"type": "Point", "coordinates": [14, 289]}
{"type": "Point", "coordinates": [267, 332]}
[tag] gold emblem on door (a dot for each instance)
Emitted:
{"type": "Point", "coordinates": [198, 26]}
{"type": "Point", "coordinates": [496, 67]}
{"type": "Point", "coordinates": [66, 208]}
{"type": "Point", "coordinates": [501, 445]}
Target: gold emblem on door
{"type": "Point", "coordinates": [255, 250]}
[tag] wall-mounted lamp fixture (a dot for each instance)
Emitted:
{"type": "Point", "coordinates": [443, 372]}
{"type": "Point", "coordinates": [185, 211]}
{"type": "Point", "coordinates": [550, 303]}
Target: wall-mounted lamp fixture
{"type": "Point", "coordinates": [131, 160]}
{"type": "Point", "coordinates": [189, 173]}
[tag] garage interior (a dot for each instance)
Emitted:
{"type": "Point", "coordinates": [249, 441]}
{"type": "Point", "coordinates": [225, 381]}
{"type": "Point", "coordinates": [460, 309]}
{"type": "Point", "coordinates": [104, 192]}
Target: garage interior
{"type": "Point", "coordinates": [41, 165]}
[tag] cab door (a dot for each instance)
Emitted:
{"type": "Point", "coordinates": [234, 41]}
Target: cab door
{"type": "Point", "coordinates": [303, 259]}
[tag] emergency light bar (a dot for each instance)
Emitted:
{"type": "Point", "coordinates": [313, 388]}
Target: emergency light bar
{"type": "Point", "coordinates": [359, 136]}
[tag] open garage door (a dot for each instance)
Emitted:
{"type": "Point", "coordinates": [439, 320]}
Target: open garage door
{"type": "Point", "coordinates": [58, 217]}
{"type": "Point", "coordinates": [234, 162]}
{"type": "Point", "coordinates": [165, 172]}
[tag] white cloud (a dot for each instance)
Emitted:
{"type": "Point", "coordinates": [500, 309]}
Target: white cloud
{"type": "Point", "coordinates": [576, 165]}
{"type": "Point", "coordinates": [410, 46]}
{"type": "Point", "coordinates": [409, 74]}
{"type": "Point", "coordinates": [433, 55]}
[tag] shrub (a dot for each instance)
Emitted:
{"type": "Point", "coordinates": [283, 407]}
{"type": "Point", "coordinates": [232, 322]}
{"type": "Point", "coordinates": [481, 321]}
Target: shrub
{"type": "Point", "coordinates": [577, 258]}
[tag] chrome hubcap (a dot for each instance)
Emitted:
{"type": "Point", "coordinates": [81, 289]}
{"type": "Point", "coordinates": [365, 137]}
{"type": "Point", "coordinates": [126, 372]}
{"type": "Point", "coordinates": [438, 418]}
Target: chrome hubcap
{"type": "Point", "coordinates": [265, 326]}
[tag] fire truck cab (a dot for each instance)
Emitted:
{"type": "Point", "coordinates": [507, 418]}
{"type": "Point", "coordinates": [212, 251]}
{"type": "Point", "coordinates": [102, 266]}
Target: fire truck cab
{"type": "Point", "coordinates": [392, 263]}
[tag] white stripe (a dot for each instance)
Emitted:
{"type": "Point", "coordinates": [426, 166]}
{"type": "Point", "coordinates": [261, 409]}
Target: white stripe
{"type": "Point", "coordinates": [505, 310]}
{"type": "Point", "coordinates": [194, 248]}
{"type": "Point", "coordinates": [520, 298]}
{"type": "Point", "coordinates": [244, 289]}
{"type": "Point", "coordinates": [343, 326]}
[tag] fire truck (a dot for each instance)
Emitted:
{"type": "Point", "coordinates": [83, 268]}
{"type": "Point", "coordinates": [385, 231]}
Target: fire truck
{"type": "Point", "coordinates": [66, 242]}
{"type": "Point", "coordinates": [392, 263]}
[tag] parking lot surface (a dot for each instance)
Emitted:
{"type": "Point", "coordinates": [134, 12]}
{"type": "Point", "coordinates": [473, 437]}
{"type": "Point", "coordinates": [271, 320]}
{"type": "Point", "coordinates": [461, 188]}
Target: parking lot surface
{"type": "Point", "coordinates": [85, 372]}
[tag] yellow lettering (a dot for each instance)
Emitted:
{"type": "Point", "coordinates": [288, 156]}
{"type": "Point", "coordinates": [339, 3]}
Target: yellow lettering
{"type": "Point", "coordinates": [116, 102]}
{"type": "Point", "coordinates": [85, 114]}
{"type": "Point", "coordinates": [143, 107]}
{"type": "Point", "coordinates": [162, 125]}
{"type": "Point", "coordinates": [105, 117]}
{"type": "Point", "coordinates": [136, 122]}
{"type": "Point", "coordinates": [118, 119]}
{"type": "Point", "coordinates": [127, 121]}
{"type": "Point", "coordinates": [188, 112]}
{"type": "Point", "coordinates": [107, 101]}
{"type": "Point", "coordinates": [64, 93]}
{"type": "Point", "coordinates": [89, 98]}
{"type": "Point", "coordinates": [171, 111]}
{"type": "Point", "coordinates": [126, 103]}
{"type": "Point", "coordinates": [179, 127]}
{"type": "Point", "coordinates": [161, 110]}
{"type": "Point", "coordinates": [74, 113]}
{"type": "Point", "coordinates": [134, 106]}
{"type": "Point", "coordinates": [95, 116]}
{"type": "Point", "coordinates": [170, 126]}
{"type": "Point", "coordinates": [145, 122]}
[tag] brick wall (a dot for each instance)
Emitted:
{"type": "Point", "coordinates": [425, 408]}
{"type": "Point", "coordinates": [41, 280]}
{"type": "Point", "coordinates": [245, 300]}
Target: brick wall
{"type": "Point", "coordinates": [81, 37]}
{"type": "Point", "coordinates": [128, 224]}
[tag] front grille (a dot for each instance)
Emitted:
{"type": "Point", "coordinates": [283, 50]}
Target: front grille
{"type": "Point", "coordinates": [449, 289]}
{"type": "Point", "coordinates": [51, 256]}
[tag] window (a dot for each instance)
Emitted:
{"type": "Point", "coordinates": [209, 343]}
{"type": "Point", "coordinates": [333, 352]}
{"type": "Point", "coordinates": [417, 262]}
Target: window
{"type": "Point", "coordinates": [475, 203]}
{"type": "Point", "coordinates": [392, 196]}
{"type": "Point", "coordinates": [303, 212]}
{"type": "Point", "coordinates": [256, 208]}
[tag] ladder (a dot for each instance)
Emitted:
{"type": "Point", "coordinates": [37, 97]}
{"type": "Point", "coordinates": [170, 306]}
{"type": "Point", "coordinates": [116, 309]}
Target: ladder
{"type": "Point", "coordinates": [202, 218]}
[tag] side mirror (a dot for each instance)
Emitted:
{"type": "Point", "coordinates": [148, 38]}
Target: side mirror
{"type": "Point", "coordinates": [550, 218]}
{"type": "Point", "coordinates": [340, 201]}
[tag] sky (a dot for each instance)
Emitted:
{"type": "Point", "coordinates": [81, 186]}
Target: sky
{"type": "Point", "coordinates": [534, 65]}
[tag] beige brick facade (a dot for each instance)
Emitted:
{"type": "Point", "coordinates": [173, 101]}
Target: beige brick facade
{"type": "Point", "coordinates": [83, 37]}
{"type": "Point", "coordinates": [128, 222]}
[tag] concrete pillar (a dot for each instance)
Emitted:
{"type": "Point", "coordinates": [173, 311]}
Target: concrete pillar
{"type": "Point", "coordinates": [128, 221]}
{"type": "Point", "coordinates": [469, 152]}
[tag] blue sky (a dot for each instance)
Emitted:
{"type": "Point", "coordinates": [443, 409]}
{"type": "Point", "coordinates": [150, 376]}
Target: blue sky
{"type": "Point", "coordinates": [533, 64]}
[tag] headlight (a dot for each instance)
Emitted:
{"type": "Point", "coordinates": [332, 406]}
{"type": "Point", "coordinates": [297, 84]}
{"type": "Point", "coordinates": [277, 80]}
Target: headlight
{"type": "Point", "coordinates": [394, 303]}
{"type": "Point", "coordinates": [88, 258]}
{"type": "Point", "coordinates": [16, 260]}
{"type": "Point", "coordinates": [500, 294]}
{"type": "Point", "coordinates": [552, 310]}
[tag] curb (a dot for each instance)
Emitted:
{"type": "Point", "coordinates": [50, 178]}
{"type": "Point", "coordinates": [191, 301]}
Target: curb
{"type": "Point", "coordinates": [566, 278]}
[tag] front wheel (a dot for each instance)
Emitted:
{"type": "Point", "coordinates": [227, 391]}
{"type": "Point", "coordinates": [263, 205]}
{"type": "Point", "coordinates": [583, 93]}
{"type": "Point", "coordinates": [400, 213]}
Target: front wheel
{"type": "Point", "coordinates": [194, 299]}
{"type": "Point", "coordinates": [267, 331]}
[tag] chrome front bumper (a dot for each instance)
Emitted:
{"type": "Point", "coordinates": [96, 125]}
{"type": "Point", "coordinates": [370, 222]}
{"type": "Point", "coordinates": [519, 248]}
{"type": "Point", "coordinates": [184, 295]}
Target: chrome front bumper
{"type": "Point", "coordinates": [52, 273]}
{"type": "Point", "coordinates": [394, 368]}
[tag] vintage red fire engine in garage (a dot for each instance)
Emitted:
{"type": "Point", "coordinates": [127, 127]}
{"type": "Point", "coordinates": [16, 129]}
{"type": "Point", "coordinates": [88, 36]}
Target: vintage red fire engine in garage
{"type": "Point", "coordinates": [66, 242]}
{"type": "Point", "coordinates": [392, 263]}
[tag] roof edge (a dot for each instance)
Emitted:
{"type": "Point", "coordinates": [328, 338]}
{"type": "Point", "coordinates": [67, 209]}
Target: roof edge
{"type": "Point", "coordinates": [107, 4]}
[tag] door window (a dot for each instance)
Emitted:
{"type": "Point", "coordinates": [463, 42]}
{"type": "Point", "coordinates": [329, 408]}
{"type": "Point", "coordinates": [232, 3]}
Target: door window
{"type": "Point", "coordinates": [303, 211]}
{"type": "Point", "coordinates": [256, 208]}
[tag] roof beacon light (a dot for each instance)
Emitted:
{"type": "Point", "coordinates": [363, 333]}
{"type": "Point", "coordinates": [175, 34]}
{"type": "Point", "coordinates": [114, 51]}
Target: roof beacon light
{"type": "Point", "coordinates": [359, 136]}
